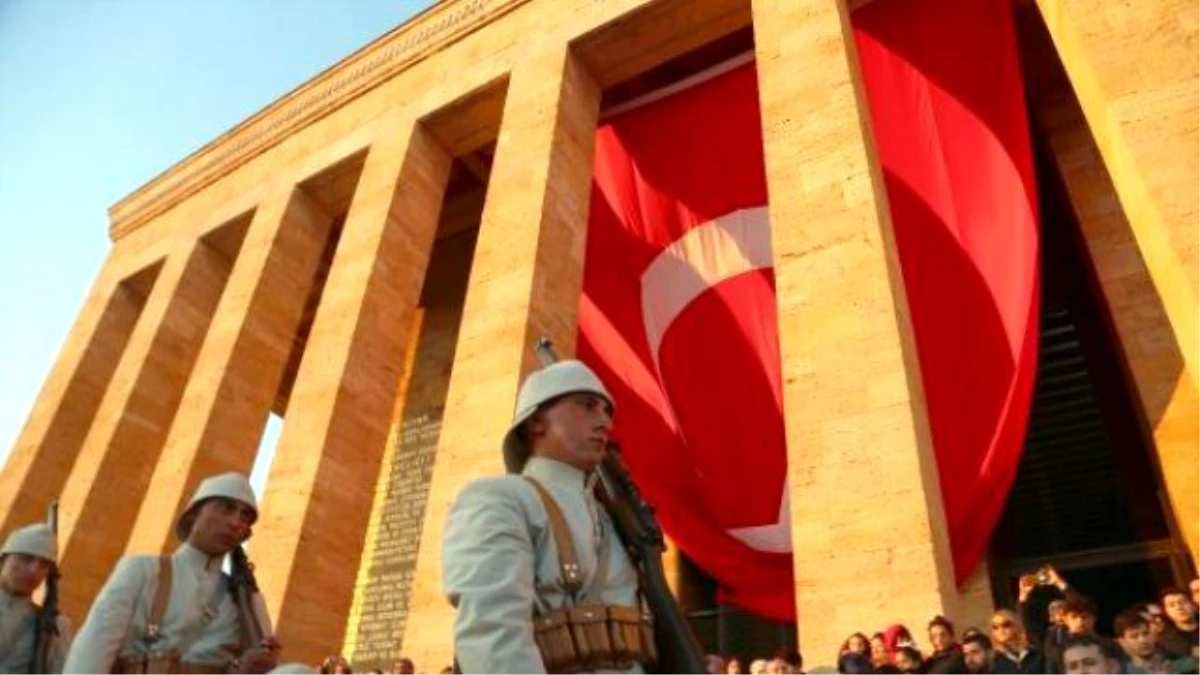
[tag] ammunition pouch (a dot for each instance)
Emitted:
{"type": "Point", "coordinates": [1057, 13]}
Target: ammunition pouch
{"type": "Point", "coordinates": [163, 661]}
{"type": "Point", "coordinates": [588, 636]}
{"type": "Point", "coordinates": [595, 637]}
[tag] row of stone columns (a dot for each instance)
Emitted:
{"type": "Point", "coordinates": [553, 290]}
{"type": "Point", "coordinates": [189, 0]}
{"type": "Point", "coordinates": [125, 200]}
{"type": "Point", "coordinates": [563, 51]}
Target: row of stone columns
{"type": "Point", "coordinates": [169, 375]}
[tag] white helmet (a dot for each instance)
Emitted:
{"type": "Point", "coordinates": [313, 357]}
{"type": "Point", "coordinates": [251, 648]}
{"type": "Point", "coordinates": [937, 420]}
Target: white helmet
{"type": "Point", "coordinates": [35, 540]}
{"type": "Point", "coordinates": [293, 669]}
{"type": "Point", "coordinates": [564, 377]}
{"type": "Point", "coordinates": [230, 485]}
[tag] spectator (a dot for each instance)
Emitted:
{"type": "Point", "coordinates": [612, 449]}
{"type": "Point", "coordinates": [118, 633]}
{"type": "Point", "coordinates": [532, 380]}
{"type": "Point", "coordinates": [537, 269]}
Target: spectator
{"type": "Point", "coordinates": [977, 654]}
{"type": "Point", "coordinates": [758, 667]}
{"type": "Point", "coordinates": [1012, 651]}
{"type": "Point", "coordinates": [404, 666]}
{"type": "Point", "coordinates": [895, 637]}
{"type": "Point", "coordinates": [1085, 654]}
{"type": "Point", "coordinates": [1181, 635]}
{"type": "Point", "coordinates": [947, 655]}
{"type": "Point", "coordinates": [714, 664]}
{"type": "Point", "coordinates": [1079, 616]}
{"type": "Point", "coordinates": [733, 665]}
{"type": "Point", "coordinates": [1141, 651]}
{"type": "Point", "coordinates": [908, 659]}
{"type": "Point", "coordinates": [786, 661]}
{"type": "Point", "coordinates": [879, 652]}
{"type": "Point", "coordinates": [1154, 615]}
{"type": "Point", "coordinates": [854, 662]}
{"type": "Point", "coordinates": [857, 643]}
{"type": "Point", "coordinates": [335, 665]}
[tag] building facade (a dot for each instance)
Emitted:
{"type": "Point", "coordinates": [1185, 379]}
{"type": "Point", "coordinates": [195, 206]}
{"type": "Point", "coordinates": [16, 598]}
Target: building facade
{"type": "Point", "coordinates": [371, 256]}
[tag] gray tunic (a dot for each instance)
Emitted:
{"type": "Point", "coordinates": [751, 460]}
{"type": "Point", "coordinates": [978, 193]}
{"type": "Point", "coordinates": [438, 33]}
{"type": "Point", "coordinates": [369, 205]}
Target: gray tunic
{"type": "Point", "coordinates": [117, 622]}
{"type": "Point", "coordinates": [18, 621]}
{"type": "Point", "coordinates": [499, 563]}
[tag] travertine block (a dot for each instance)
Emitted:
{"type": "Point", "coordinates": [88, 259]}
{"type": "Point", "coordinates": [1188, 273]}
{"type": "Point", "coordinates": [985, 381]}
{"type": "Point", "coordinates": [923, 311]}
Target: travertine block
{"type": "Point", "coordinates": [525, 281]}
{"type": "Point", "coordinates": [853, 405]}
{"type": "Point", "coordinates": [103, 494]}
{"type": "Point", "coordinates": [238, 370]}
{"type": "Point", "coordinates": [317, 504]}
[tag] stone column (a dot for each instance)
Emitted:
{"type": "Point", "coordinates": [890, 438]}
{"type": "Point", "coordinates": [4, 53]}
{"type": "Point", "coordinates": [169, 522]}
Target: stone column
{"type": "Point", "coordinates": [1133, 66]}
{"type": "Point", "coordinates": [318, 500]}
{"type": "Point", "coordinates": [525, 281]}
{"type": "Point", "coordinates": [40, 461]}
{"type": "Point", "coordinates": [102, 496]}
{"type": "Point", "coordinates": [868, 525]}
{"type": "Point", "coordinates": [975, 601]}
{"type": "Point", "coordinates": [226, 403]}
{"type": "Point", "coordinates": [1161, 384]}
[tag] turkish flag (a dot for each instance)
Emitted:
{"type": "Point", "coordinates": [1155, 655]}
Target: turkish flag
{"type": "Point", "coordinates": [948, 114]}
{"type": "Point", "coordinates": [678, 310]}
{"type": "Point", "coordinates": [678, 318]}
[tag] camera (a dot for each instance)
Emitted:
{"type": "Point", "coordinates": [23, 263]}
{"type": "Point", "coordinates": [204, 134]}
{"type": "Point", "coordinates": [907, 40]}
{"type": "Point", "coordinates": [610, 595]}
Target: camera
{"type": "Point", "coordinates": [1043, 577]}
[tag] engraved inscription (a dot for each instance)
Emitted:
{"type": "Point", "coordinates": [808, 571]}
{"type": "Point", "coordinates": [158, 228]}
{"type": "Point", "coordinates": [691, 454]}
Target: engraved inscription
{"type": "Point", "coordinates": [384, 609]}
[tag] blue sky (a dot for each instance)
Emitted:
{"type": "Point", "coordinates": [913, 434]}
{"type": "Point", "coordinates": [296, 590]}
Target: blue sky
{"type": "Point", "coordinates": [99, 96]}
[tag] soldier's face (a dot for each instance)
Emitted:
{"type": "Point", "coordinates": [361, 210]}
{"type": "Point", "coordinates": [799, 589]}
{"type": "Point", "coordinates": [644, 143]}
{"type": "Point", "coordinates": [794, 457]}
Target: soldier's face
{"type": "Point", "coordinates": [573, 430]}
{"type": "Point", "coordinates": [21, 574]}
{"type": "Point", "coordinates": [221, 524]}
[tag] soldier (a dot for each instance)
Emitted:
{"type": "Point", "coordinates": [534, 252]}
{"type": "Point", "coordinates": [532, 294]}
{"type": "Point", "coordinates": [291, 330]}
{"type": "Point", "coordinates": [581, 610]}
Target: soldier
{"type": "Point", "coordinates": [25, 561]}
{"type": "Point", "coordinates": [176, 613]}
{"type": "Point", "coordinates": [528, 556]}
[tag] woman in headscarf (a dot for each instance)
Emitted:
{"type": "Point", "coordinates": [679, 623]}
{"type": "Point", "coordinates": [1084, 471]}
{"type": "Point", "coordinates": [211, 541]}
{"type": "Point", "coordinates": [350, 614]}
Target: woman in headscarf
{"type": "Point", "coordinates": [895, 637]}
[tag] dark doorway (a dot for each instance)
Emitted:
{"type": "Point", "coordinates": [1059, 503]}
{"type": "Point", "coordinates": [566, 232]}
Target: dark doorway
{"type": "Point", "coordinates": [1087, 497]}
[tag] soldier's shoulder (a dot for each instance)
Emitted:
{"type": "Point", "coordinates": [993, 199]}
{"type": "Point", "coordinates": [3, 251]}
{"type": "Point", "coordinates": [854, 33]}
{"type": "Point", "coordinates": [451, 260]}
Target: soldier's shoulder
{"type": "Point", "coordinates": [136, 565]}
{"type": "Point", "coordinates": [497, 487]}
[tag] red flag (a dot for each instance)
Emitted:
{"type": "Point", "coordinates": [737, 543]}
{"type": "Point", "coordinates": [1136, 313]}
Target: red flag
{"type": "Point", "coordinates": [949, 120]}
{"type": "Point", "coordinates": [678, 317]}
{"type": "Point", "coordinates": [678, 311]}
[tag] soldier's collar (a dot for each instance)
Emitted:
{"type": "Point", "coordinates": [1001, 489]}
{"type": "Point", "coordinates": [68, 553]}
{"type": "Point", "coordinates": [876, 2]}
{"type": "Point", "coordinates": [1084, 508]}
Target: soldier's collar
{"type": "Point", "coordinates": [9, 600]}
{"type": "Point", "coordinates": [195, 558]}
{"type": "Point", "coordinates": [559, 473]}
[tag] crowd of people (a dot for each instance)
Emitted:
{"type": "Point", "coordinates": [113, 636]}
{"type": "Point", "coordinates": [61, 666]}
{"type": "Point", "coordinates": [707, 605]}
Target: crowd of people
{"type": "Point", "coordinates": [337, 665]}
{"type": "Point", "coordinates": [1157, 636]}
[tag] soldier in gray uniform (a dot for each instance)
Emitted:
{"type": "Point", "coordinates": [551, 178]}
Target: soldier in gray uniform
{"type": "Point", "coordinates": [25, 560]}
{"type": "Point", "coordinates": [175, 613]}
{"type": "Point", "coordinates": [521, 583]}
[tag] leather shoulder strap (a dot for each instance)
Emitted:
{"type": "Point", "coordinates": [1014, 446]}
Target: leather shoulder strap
{"type": "Point", "coordinates": [162, 593]}
{"type": "Point", "coordinates": [572, 576]}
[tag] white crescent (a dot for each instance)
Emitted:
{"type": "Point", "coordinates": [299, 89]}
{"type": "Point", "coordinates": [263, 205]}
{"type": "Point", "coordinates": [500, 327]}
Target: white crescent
{"type": "Point", "coordinates": [733, 244]}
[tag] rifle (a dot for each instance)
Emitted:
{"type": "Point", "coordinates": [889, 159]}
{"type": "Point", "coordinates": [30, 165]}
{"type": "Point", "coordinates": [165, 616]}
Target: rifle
{"type": "Point", "coordinates": [46, 626]}
{"type": "Point", "coordinates": [252, 610]}
{"type": "Point", "coordinates": [679, 650]}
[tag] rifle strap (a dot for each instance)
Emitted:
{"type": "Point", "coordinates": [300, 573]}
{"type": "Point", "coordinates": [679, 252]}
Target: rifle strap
{"type": "Point", "coordinates": [162, 593]}
{"type": "Point", "coordinates": [568, 561]}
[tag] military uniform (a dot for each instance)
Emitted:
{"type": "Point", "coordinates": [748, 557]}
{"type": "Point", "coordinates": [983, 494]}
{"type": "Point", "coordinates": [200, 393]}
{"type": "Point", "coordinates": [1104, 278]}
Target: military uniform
{"type": "Point", "coordinates": [500, 564]}
{"type": "Point", "coordinates": [200, 620]}
{"type": "Point", "coordinates": [18, 614]}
